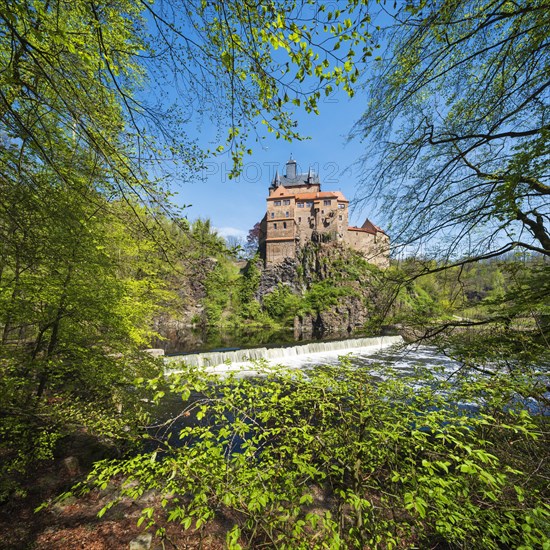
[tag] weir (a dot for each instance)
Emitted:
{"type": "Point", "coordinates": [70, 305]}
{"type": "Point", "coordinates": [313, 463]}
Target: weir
{"type": "Point", "coordinates": [214, 359]}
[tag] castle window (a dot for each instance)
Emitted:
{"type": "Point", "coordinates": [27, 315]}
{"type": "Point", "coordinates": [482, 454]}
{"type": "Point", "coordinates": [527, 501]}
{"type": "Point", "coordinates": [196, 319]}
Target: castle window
{"type": "Point", "coordinates": [322, 211]}
{"type": "Point", "coordinates": [300, 205]}
{"type": "Point", "coordinates": [274, 226]}
{"type": "Point", "coordinates": [286, 202]}
{"type": "Point", "coordinates": [341, 206]}
{"type": "Point", "coordinates": [272, 214]}
{"type": "Point", "coordinates": [326, 202]}
{"type": "Point", "coordinates": [340, 218]}
{"type": "Point", "coordinates": [309, 203]}
{"type": "Point", "coordinates": [299, 220]}
{"type": "Point", "coordinates": [287, 214]}
{"type": "Point", "coordinates": [277, 203]}
{"type": "Point", "coordinates": [284, 225]}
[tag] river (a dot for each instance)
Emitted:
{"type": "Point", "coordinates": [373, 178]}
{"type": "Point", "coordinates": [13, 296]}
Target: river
{"type": "Point", "coordinates": [383, 356]}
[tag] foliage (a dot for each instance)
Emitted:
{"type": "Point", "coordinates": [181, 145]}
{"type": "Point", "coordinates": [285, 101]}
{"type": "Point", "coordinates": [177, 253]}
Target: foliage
{"type": "Point", "coordinates": [433, 296]}
{"type": "Point", "coordinates": [282, 304]}
{"type": "Point", "coordinates": [416, 305]}
{"type": "Point", "coordinates": [457, 123]}
{"type": "Point", "coordinates": [220, 289]}
{"type": "Point", "coordinates": [339, 458]}
{"type": "Point", "coordinates": [253, 240]}
{"type": "Point", "coordinates": [204, 240]}
{"type": "Point", "coordinates": [324, 295]}
{"type": "Point", "coordinates": [78, 291]}
{"type": "Point", "coordinates": [88, 392]}
{"type": "Point", "coordinates": [98, 73]}
{"type": "Point", "coordinates": [250, 280]}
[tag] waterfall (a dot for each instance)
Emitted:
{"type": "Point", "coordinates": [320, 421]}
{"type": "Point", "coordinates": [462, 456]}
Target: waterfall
{"type": "Point", "coordinates": [213, 360]}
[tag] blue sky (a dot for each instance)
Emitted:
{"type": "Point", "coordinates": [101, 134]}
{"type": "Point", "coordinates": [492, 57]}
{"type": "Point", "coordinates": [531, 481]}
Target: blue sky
{"type": "Point", "coordinates": [234, 206]}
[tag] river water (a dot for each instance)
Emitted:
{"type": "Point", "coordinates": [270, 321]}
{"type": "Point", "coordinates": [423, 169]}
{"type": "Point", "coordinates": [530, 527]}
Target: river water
{"type": "Point", "coordinates": [379, 353]}
{"type": "Point", "coordinates": [383, 356]}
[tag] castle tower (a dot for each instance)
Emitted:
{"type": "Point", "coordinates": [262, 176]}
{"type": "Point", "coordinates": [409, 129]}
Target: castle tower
{"type": "Point", "coordinates": [291, 169]}
{"type": "Point", "coordinates": [299, 212]}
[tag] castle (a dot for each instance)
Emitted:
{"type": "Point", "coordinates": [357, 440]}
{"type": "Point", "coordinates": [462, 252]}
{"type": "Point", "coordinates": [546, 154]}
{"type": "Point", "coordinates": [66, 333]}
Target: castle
{"type": "Point", "coordinates": [299, 212]}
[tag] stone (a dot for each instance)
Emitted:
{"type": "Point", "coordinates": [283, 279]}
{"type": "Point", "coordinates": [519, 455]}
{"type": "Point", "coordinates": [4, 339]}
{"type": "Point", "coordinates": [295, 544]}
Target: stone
{"type": "Point", "coordinates": [71, 465]}
{"type": "Point", "coordinates": [284, 272]}
{"type": "Point", "coordinates": [143, 542]}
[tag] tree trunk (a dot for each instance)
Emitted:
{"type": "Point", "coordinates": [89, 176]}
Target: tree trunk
{"type": "Point", "coordinates": [54, 338]}
{"type": "Point", "coordinates": [14, 295]}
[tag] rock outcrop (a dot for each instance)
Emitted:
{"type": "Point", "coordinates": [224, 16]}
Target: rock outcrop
{"type": "Point", "coordinates": [351, 317]}
{"type": "Point", "coordinates": [340, 267]}
{"type": "Point", "coordinates": [285, 272]}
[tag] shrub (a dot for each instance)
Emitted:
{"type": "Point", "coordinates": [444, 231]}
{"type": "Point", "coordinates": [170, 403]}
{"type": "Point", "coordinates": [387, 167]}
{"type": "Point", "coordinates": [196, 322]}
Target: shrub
{"type": "Point", "coordinates": [281, 304]}
{"type": "Point", "coordinates": [334, 458]}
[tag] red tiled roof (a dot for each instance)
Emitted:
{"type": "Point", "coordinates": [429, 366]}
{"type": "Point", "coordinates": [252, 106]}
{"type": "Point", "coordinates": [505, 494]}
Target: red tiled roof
{"type": "Point", "coordinates": [340, 196]}
{"type": "Point", "coordinates": [369, 225]}
{"type": "Point", "coordinates": [280, 192]}
{"type": "Point", "coordinates": [372, 230]}
{"type": "Point", "coordinates": [319, 195]}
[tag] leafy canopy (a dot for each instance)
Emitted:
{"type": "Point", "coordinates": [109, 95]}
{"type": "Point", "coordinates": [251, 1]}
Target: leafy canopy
{"type": "Point", "coordinates": [457, 122]}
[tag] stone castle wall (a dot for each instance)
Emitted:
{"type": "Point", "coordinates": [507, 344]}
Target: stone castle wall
{"type": "Point", "coordinates": [277, 252]}
{"type": "Point", "coordinates": [374, 248]}
{"type": "Point", "coordinates": [298, 212]}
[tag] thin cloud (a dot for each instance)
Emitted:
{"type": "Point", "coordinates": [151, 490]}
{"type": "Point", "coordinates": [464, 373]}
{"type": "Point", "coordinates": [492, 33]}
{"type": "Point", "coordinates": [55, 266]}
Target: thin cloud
{"type": "Point", "coordinates": [231, 232]}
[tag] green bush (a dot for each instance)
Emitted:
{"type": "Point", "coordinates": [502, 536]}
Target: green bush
{"type": "Point", "coordinates": [250, 281]}
{"type": "Point", "coordinates": [220, 291]}
{"type": "Point", "coordinates": [281, 304]}
{"type": "Point", "coordinates": [332, 458]}
{"type": "Point", "coordinates": [324, 295]}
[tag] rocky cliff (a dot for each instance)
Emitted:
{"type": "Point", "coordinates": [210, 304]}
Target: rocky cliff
{"type": "Point", "coordinates": [341, 290]}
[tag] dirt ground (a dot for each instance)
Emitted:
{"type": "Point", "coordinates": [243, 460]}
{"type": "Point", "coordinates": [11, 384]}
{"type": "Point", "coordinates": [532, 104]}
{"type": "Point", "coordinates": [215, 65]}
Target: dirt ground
{"type": "Point", "coordinates": [74, 524]}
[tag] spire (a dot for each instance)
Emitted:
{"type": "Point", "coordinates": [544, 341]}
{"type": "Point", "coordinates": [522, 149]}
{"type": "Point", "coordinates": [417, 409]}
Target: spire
{"type": "Point", "coordinates": [277, 180]}
{"type": "Point", "coordinates": [291, 168]}
{"type": "Point", "coordinates": [309, 175]}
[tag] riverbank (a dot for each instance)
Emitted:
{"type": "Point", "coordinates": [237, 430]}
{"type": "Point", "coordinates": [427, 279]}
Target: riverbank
{"type": "Point", "coordinates": [75, 523]}
{"type": "Point", "coordinates": [290, 458]}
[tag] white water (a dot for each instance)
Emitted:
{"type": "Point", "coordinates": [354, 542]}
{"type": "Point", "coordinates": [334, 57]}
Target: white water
{"type": "Point", "coordinates": [376, 354]}
{"type": "Point", "coordinates": [292, 356]}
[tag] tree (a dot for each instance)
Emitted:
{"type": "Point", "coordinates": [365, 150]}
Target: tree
{"type": "Point", "coordinates": [99, 72]}
{"type": "Point", "coordinates": [457, 122]}
{"type": "Point", "coordinates": [78, 290]}
{"type": "Point", "coordinates": [235, 246]}
{"type": "Point", "coordinates": [253, 240]}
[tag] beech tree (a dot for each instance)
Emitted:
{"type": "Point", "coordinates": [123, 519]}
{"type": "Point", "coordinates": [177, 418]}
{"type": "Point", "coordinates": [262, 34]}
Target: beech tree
{"type": "Point", "coordinates": [253, 240]}
{"type": "Point", "coordinates": [95, 99]}
{"type": "Point", "coordinates": [457, 126]}
{"type": "Point", "coordinates": [123, 78]}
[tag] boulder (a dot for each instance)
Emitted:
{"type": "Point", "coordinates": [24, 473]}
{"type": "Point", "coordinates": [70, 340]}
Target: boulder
{"type": "Point", "coordinates": [143, 542]}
